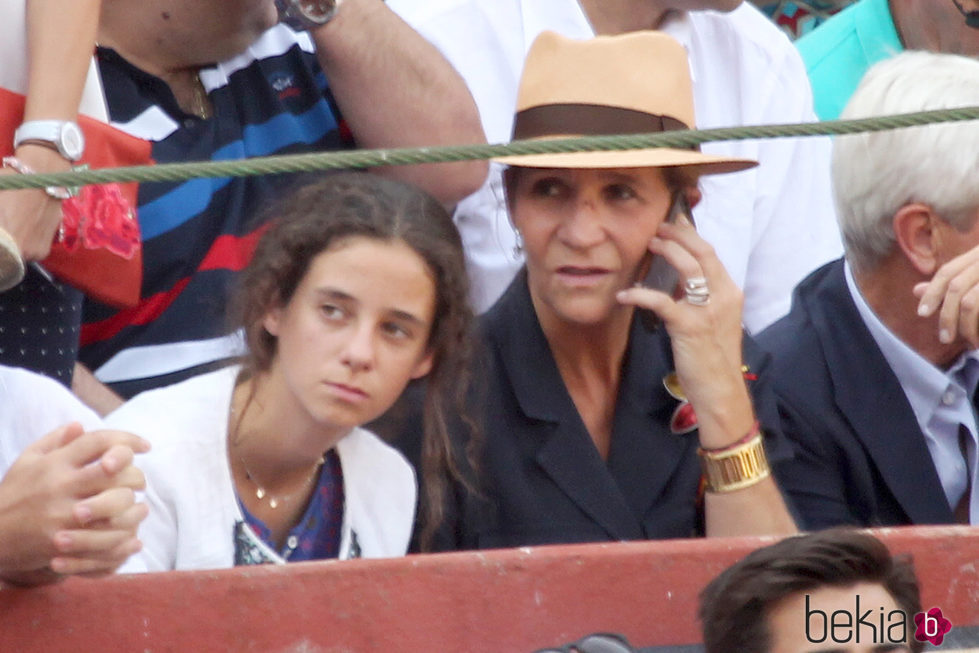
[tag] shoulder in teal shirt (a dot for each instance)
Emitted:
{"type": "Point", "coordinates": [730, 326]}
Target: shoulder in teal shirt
{"type": "Point", "coordinates": [839, 52]}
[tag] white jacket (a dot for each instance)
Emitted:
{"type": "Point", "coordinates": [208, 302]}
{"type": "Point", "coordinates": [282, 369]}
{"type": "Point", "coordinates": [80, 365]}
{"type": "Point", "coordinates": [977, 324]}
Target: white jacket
{"type": "Point", "coordinates": [193, 506]}
{"type": "Point", "coordinates": [31, 406]}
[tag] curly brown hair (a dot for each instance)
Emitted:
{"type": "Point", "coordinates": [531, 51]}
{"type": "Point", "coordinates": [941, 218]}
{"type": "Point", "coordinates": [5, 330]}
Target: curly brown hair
{"type": "Point", "coordinates": [319, 214]}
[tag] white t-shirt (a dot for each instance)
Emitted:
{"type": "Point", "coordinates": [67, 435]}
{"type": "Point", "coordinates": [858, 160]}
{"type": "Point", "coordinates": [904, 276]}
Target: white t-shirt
{"type": "Point", "coordinates": [770, 225]}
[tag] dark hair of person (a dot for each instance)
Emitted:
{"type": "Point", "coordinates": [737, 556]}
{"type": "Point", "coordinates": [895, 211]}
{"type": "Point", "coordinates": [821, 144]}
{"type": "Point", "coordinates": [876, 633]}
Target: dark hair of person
{"type": "Point", "coordinates": [319, 214]}
{"type": "Point", "coordinates": [734, 606]}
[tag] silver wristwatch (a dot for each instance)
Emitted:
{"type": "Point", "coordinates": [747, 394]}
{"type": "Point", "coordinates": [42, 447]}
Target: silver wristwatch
{"type": "Point", "coordinates": [304, 15]}
{"type": "Point", "coordinates": [62, 135]}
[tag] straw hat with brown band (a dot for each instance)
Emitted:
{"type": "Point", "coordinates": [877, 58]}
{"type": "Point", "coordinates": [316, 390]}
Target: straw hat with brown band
{"type": "Point", "coordinates": [633, 83]}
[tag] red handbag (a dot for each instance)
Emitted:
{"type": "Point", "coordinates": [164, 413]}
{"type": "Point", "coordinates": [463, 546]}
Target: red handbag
{"type": "Point", "coordinates": [98, 248]}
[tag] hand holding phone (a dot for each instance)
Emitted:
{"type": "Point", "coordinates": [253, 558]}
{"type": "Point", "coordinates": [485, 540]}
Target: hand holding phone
{"type": "Point", "coordinates": [661, 275]}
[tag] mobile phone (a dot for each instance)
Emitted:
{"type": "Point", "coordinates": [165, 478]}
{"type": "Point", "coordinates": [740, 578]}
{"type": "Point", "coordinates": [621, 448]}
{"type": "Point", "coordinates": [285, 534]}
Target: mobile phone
{"type": "Point", "coordinates": [661, 275]}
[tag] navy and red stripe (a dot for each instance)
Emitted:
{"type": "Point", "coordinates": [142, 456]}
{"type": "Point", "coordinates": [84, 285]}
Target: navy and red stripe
{"type": "Point", "coordinates": [198, 234]}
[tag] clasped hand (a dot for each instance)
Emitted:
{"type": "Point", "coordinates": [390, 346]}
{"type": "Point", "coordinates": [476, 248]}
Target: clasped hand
{"type": "Point", "coordinates": [68, 505]}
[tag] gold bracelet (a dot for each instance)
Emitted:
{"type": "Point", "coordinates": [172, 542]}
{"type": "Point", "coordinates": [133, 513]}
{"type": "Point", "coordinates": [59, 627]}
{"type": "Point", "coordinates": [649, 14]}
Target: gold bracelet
{"type": "Point", "coordinates": [737, 468]}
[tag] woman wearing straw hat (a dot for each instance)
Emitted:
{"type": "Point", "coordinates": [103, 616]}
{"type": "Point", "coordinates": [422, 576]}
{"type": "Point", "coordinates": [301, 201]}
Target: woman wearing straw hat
{"type": "Point", "coordinates": [598, 425]}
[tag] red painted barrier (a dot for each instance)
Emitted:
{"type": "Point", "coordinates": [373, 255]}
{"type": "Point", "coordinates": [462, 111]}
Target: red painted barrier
{"type": "Point", "coordinates": [508, 600]}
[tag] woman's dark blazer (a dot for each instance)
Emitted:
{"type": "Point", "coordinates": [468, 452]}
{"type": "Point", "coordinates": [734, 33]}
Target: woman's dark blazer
{"type": "Point", "coordinates": [541, 479]}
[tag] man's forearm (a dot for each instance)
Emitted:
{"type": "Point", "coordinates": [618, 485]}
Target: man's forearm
{"type": "Point", "coordinates": [395, 89]}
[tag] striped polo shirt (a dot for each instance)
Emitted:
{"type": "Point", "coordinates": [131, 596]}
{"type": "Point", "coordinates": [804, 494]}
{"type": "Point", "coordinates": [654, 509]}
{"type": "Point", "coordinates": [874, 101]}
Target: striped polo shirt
{"type": "Point", "coordinates": [198, 234]}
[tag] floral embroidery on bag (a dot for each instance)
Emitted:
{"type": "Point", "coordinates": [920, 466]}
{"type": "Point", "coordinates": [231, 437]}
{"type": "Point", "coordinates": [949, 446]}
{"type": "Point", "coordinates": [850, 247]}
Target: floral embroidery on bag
{"type": "Point", "coordinates": [100, 217]}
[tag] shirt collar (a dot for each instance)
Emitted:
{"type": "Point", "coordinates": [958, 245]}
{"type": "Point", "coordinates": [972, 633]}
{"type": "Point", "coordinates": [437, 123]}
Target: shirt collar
{"type": "Point", "coordinates": [677, 24]}
{"type": "Point", "coordinates": [924, 383]}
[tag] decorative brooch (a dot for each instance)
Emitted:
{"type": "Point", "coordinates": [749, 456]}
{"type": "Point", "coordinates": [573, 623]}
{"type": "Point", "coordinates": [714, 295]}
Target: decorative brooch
{"type": "Point", "coordinates": [684, 419]}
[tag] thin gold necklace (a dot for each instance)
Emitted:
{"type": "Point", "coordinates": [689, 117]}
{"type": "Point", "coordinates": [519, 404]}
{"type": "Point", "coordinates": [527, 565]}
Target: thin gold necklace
{"type": "Point", "coordinates": [234, 425]}
{"type": "Point", "coordinates": [276, 500]}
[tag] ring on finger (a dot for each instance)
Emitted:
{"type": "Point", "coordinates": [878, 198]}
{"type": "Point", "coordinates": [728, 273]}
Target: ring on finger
{"type": "Point", "coordinates": [697, 292]}
{"type": "Point", "coordinates": [698, 300]}
{"type": "Point", "coordinates": [696, 285]}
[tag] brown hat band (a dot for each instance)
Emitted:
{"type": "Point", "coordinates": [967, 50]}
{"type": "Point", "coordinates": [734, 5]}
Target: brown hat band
{"type": "Point", "coordinates": [588, 120]}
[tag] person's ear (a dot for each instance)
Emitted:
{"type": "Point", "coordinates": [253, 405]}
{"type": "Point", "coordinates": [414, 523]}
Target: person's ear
{"type": "Point", "coordinates": [273, 320]}
{"type": "Point", "coordinates": [424, 364]}
{"type": "Point", "coordinates": [693, 195]}
{"type": "Point", "coordinates": [919, 232]}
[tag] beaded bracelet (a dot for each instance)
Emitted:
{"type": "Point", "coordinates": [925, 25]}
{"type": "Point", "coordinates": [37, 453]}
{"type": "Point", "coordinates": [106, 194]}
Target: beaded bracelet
{"type": "Point", "coordinates": [57, 192]}
{"type": "Point", "coordinates": [755, 430]}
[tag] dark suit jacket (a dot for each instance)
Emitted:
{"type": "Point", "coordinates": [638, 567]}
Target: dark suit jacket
{"type": "Point", "coordinates": [860, 456]}
{"type": "Point", "coordinates": [542, 479]}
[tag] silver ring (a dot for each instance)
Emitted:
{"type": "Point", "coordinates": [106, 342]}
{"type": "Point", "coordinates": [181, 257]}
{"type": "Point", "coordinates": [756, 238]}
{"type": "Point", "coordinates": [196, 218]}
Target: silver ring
{"type": "Point", "coordinates": [697, 292]}
{"type": "Point", "coordinates": [696, 285]}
